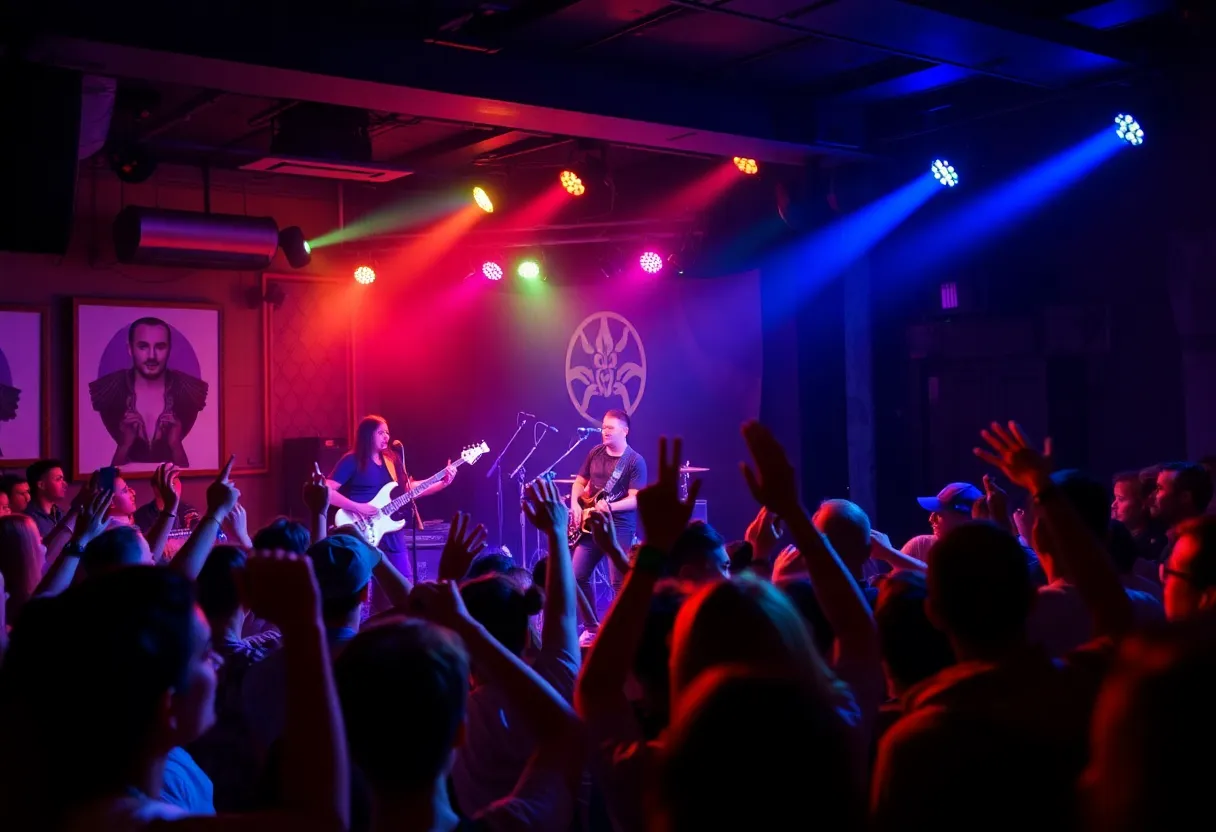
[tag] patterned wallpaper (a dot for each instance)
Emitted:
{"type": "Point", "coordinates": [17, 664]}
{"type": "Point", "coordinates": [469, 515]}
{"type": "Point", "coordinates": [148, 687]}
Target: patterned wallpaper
{"type": "Point", "coordinates": [310, 362]}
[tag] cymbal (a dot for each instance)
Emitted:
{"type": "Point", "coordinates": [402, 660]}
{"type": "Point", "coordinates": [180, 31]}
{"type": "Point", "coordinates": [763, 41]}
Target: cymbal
{"type": "Point", "coordinates": [687, 469]}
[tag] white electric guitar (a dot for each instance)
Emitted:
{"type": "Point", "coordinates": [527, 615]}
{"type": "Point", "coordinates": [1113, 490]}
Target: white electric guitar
{"type": "Point", "coordinates": [382, 522]}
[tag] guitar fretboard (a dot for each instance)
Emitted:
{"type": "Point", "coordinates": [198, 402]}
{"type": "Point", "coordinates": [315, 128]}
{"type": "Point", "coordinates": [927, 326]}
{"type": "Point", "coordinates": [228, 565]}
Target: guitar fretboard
{"type": "Point", "coordinates": [412, 494]}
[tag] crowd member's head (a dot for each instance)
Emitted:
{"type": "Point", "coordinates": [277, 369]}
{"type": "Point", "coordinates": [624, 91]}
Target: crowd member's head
{"type": "Point", "coordinates": [1091, 499]}
{"type": "Point", "coordinates": [912, 648]}
{"type": "Point", "coordinates": [1130, 505]}
{"type": "Point", "coordinates": [847, 528]}
{"type": "Point", "coordinates": [951, 507]}
{"type": "Point", "coordinates": [802, 595]}
{"type": "Point", "coordinates": [521, 578]}
{"type": "Point", "coordinates": [5, 506]}
{"type": "Point", "coordinates": [1147, 765]}
{"type": "Point", "coordinates": [115, 548]}
{"type": "Point", "coordinates": [498, 604]}
{"type": "Point", "coordinates": [218, 595]}
{"type": "Point", "coordinates": [1188, 578]}
{"type": "Point", "coordinates": [125, 500]}
{"type": "Point", "coordinates": [741, 556]}
{"type": "Point", "coordinates": [699, 554]}
{"type": "Point", "coordinates": [17, 490]}
{"type": "Point", "coordinates": [979, 590]}
{"type": "Point", "coordinates": [652, 661]}
{"type": "Point", "coordinates": [1184, 490]}
{"type": "Point", "coordinates": [283, 534]}
{"type": "Point", "coordinates": [46, 480]}
{"type": "Point", "coordinates": [540, 570]}
{"type": "Point", "coordinates": [746, 622]}
{"type": "Point", "coordinates": [103, 681]}
{"type": "Point", "coordinates": [343, 565]}
{"type": "Point", "coordinates": [496, 562]}
{"type": "Point", "coordinates": [730, 715]}
{"type": "Point", "coordinates": [22, 559]}
{"type": "Point", "coordinates": [404, 751]}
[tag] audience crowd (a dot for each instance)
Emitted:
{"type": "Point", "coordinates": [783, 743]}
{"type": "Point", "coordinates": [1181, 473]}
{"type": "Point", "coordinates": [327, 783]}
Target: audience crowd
{"type": "Point", "coordinates": [1035, 661]}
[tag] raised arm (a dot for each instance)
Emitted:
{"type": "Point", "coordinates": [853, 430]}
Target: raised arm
{"type": "Point", "coordinates": [601, 686]}
{"type": "Point", "coordinates": [547, 717]}
{"type": "Point", "coordinates": [774, 486]}
{"type": "Point", "coordinates": [545, 509]}
{"type": "Point", "coordinates": [221, 497]}
{"type": "Point", "coordinates": [1084, 557]}
{"type": "Point", "coordinates": [315, 787]}
{"type": "Point", "coordinates": [316, 500]}
{"type": "Point", "coordinates": [90, 524]}
{"type": "Point", "coordinates": [163, 479]}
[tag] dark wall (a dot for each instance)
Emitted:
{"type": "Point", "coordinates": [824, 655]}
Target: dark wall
{"type": "Point", "coordinates": [1065, 318]}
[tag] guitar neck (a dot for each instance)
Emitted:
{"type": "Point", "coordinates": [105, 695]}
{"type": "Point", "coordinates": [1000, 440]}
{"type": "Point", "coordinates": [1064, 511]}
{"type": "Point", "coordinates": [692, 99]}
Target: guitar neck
{"type": "Point", "coordinates": [412, 494]}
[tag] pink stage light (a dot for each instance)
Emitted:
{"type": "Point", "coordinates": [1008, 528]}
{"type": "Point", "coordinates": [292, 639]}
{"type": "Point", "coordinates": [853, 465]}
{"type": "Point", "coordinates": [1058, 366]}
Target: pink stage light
{"type": "Point", "coordinates": [651, 262]}
{"type": "Point", "coordinates": [491, 270]}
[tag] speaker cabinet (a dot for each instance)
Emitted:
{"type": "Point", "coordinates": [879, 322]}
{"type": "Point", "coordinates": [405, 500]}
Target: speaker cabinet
{"type": "Point", "coordinates": [39, 146]}
{"type": "Point", "coordinates": [299, 454]}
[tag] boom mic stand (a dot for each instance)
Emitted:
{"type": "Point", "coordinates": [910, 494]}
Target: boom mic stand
{"type": "Point", "coordinates": [521, 476]}
{"type": "Point", "coordinates": [496, 468]}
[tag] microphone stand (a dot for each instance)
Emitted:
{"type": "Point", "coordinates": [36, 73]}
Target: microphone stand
{"type": "Point", "coordinates": [417, 517]}
{"type": "Point", "coordinates": [496, 468]}
{"type": "Point", "coordinates": [521, 476]}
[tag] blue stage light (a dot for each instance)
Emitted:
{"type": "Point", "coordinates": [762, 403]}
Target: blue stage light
{"type": "Point", "coordinates": [1129, 129]}
{"type": "Point", "coordinates": [944, 173]}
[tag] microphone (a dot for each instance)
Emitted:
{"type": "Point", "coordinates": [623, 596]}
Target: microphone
{"type": "Point", "coordinates": [588, 431]}
{"type": "Point", "coordinates": [526, 415]}
{"type": "Point", "coordinates": [397, 443]}
{"type": "Point", "coordinates": [550, 427]}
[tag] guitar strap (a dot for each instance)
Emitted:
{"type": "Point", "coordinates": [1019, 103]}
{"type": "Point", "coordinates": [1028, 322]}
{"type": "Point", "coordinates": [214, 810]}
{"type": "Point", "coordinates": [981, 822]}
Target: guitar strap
{"type": "Point", "coordinates": [618, 471]}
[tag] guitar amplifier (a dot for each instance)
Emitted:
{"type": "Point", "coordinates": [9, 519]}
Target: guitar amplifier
{"type": "Point", "coordinates": [295, 467]}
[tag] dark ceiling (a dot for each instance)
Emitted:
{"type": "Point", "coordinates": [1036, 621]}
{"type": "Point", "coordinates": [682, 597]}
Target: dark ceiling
{"type": "Point", "coordinates": [455, 84]}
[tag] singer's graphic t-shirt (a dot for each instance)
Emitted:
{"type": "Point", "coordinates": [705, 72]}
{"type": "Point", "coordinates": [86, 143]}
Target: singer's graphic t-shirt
{"type": "Point", "coordinates": [597, 470]}
{"type": "Point", "coordinates": [363, 486]}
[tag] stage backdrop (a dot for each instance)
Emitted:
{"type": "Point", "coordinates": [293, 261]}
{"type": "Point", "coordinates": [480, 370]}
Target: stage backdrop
{"type": "Point", "coordinates": [451, 367]}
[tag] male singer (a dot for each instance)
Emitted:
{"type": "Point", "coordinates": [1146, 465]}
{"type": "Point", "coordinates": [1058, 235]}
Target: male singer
{"type": "Point", "coordinates": [609, 481]}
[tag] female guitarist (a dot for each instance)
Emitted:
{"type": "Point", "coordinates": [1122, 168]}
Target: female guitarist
{"type": "Point", "coordinates": [609, 481]}
{"type": "Point", "coordinates": [362, 473]}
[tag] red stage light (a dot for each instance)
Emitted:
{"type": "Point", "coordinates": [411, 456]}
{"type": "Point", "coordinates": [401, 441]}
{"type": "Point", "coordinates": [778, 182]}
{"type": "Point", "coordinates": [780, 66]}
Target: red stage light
{"type": "Point", "coordinates": [651, 262]}
{"type": "Point", "coordinates": [572, 183]}
{"type": "Point", "coordinates": [746, 166]}
{"type": "Point", "coordinates": [365, 275]}
{"type": "Point", "coordinates": [491, 270]}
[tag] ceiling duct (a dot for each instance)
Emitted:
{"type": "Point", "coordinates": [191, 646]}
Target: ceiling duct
{"type": "Point", "coordinates": [325, 141]}
{"type": "Point", "coordinates": [157, 237]}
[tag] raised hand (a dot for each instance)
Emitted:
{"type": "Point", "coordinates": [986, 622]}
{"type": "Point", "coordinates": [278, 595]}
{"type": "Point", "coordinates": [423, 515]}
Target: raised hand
{"type": "Point", "coordinates": [603, 531]}
{"type": "Point", "coordinates": [238, 520]}
{"type": "Point", "coordinates": [772, 481]}
{"type": "Point", "coordinates": [464, 543]}
{"type": "Point", "coordinates": [998, 503]}
{"type": "Point", "coordinates": [664, 515]}
{"type": "Point", "coordinates": [1015, 457]}
{"type": "Point", "coordinates": [280, 587]}
{"type": "Point", "coordinates": [164, 480]}
{"type": "Point", "coordinates": [316, 492]}
{"type": "Point", "coordinates": [222, 494]}
{"type": "Point", "coordinates": [85, 495]}
{"type": "Point", "coordinates": [440, 603]}
{"type": "Point", "coordinates": [93, 516]}
{"type": "Point", "coordinates": [544, 507]}
{"type": "Point", "coordinates": [762, 534]}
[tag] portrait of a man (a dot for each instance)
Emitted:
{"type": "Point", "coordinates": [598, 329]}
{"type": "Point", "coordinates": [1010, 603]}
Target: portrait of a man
{"type": "Point", "coordinates": [22, 385]}
{"type": "Point", "coordinates": [148, 408]}
{"type": "Point", "coordinates": [147, 386]}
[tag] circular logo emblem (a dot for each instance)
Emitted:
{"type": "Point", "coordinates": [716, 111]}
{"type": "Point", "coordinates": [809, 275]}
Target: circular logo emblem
{"type": "Point", "coordinates": [606, 361]}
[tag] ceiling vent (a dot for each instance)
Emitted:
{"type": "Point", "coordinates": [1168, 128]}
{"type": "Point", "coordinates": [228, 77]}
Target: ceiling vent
{"type": "Point", "coordinates": [324, 141]}
{"type": "Point", "coordinates": [328, 169]}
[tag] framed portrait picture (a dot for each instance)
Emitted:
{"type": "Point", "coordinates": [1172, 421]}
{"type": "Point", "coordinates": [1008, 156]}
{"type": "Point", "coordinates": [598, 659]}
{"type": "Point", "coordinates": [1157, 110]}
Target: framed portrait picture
{"type": "Point", "coordinates": [24, 385]}
{"type": "Point", "coordinates": [147, 386]}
